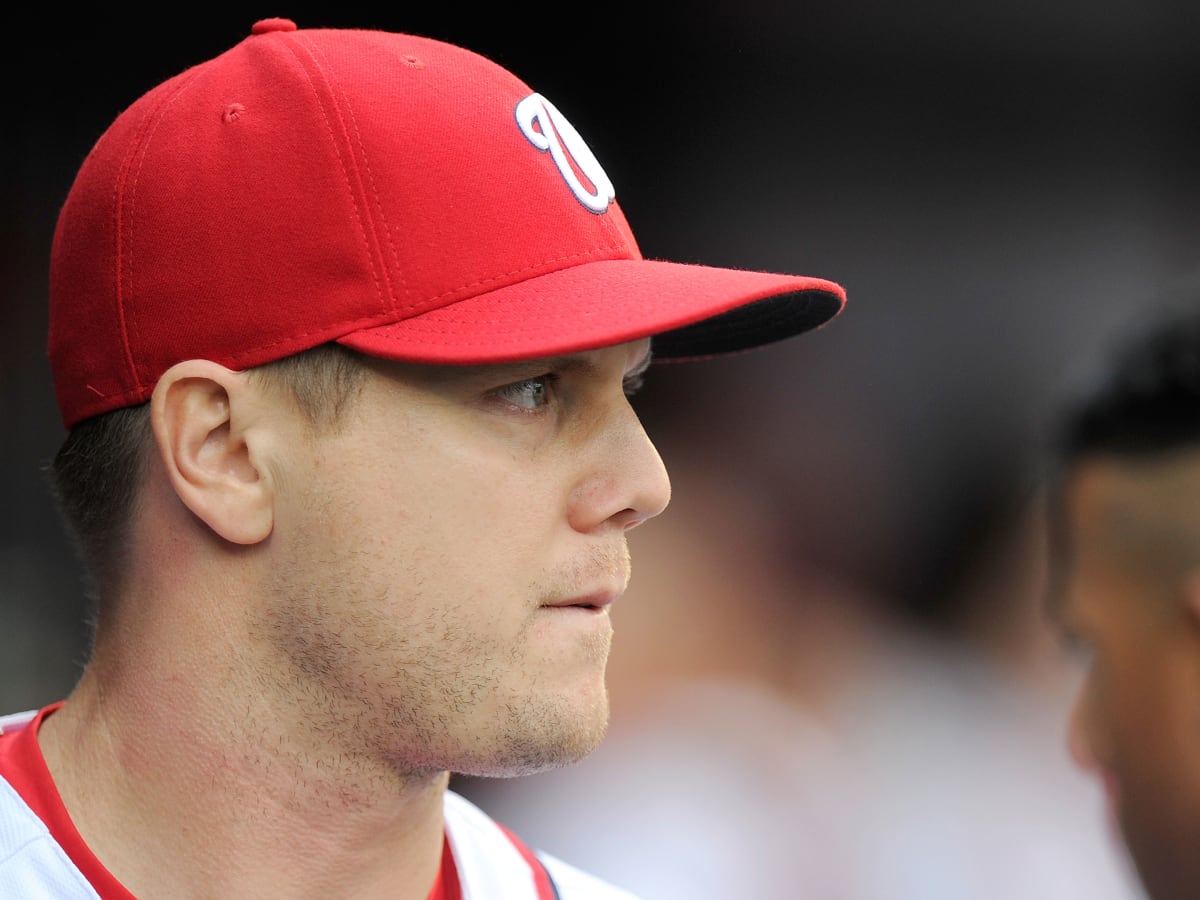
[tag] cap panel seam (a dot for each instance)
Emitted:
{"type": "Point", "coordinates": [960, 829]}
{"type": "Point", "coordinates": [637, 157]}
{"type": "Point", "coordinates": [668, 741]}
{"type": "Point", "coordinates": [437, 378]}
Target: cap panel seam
{"type": "Point", "coordinates": [380, 229]}
{"type": "Point", "coordinates": [382, 319]}
{"type": "Point", "coordinates": [126, 199]}
{"type": "Point", "coordinates": [368, 228]}
{"type": "Point", "coordinates": [591, 255]}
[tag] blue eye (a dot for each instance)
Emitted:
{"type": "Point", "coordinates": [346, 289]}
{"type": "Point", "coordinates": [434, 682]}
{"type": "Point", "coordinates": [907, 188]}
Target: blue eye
{"type": "Point", "coordinates": [532, 393]}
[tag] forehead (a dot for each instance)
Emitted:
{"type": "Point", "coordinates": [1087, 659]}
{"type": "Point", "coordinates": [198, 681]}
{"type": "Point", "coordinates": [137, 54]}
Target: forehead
{"type": "Point", "coordinates": [1125, 523]}
{"type": "Point", "coordinates": [1123, 503]}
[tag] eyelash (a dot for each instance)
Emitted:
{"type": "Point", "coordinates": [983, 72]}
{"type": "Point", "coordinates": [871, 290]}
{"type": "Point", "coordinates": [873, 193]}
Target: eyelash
{"type": "Point", "coordinates": [512, 393]}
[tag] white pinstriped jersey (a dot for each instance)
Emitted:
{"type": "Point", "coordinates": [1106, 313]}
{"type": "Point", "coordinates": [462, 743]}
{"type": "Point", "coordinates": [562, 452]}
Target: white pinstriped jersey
{"type": "Point", "coordinates": [490, 862]}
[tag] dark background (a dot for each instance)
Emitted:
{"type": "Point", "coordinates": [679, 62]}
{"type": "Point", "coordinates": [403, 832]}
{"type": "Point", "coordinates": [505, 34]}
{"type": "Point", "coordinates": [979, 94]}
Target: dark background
{"type": "Point", "coordinates": [1000, 187]}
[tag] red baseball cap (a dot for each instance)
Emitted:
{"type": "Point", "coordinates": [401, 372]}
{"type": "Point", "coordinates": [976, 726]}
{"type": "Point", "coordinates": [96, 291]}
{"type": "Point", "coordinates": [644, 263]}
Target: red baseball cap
{"type": "Point", "coordinates": [403, 196]}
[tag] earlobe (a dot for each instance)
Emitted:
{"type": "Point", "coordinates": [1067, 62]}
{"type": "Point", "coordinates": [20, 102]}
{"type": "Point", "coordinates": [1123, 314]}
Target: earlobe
{"type": "Point", "coordinates": [198, 411]}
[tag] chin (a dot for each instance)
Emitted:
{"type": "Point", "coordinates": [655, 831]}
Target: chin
{"type": "Point", "coordinates": [539, 743]}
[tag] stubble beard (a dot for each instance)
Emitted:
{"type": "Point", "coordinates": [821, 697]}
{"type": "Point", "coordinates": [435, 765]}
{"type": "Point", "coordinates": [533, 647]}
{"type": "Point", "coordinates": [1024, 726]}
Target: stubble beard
{"type": "Point", "coordinates": [539, 734]}
{"type": "Point", "coordinates": [387, 703]}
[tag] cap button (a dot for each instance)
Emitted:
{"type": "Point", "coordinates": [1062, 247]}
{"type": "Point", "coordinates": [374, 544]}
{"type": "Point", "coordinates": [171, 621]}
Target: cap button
{"type": "Point", "coordinates": [265, 26]}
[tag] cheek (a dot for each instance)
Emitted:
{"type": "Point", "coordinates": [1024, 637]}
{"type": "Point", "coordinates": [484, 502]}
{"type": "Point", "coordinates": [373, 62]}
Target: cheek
{"type": "Point", "coordinates": [1150, 710]}
{"type": "Point", "coordinates": [464, 542]}
{"type": "Point", "coordinates": [451, 527]}
{"type": "Point", "coordinates": [458, 525]}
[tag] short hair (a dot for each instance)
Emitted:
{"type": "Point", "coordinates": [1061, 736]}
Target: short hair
{"type": "Point", "coordinates": [95, 477]}
{"type": "Point", "coordinates": [1148, 401]}
{"type": "Point", "coordinates": [1143, 407]}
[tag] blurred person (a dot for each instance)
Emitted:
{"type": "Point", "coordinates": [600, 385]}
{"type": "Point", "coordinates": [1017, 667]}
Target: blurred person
{"type": "Point", "coordinates": [1126, 536]}
{"type": "Point", "coordinates": [343, 327]}
{"type": "Point", "coordinates": [956, 745]}
{"type": "Point", "coordinates": [803, 737]}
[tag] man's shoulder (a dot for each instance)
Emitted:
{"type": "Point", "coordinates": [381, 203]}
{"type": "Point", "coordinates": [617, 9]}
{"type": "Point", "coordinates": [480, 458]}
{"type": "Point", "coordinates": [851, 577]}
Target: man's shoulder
{"type": "Point", "coordinates": [486, 853]}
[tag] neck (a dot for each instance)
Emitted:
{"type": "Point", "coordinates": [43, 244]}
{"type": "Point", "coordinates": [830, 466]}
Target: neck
{"type": "Point", "coordinates": [186, 780]}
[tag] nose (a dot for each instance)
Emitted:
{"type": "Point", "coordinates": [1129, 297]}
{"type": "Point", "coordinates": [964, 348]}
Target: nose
{"type": "Point", "coordinates": [627, 483]}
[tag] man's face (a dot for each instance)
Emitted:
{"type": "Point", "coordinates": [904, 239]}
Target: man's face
{"type": "Point", "coordinates": [447, 557]}
{"type": "Point", "coordinates": [1136, 723]}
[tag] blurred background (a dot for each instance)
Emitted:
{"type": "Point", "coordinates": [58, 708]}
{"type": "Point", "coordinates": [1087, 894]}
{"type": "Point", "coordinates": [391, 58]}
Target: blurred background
{"type": "Point", "coordinates": [831, 677]}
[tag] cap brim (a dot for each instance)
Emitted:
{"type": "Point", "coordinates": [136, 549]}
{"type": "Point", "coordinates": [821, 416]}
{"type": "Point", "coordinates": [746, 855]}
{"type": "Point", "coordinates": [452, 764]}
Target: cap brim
{"type": "Point", "coordinates": [691, 311]}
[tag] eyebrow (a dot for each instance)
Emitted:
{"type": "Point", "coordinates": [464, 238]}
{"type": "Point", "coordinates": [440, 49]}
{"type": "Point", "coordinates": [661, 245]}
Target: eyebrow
{"type": "Point", "coordinates": [579, 364]}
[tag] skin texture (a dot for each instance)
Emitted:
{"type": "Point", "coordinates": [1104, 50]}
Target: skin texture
{"type": "Point", "coordinates": [1131, 602]}
{"type": "Point", "coordinates": [319, 627]}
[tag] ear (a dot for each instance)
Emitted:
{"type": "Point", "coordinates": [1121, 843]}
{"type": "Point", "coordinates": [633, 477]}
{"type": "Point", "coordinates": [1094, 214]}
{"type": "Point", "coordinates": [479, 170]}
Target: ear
{"type": "Point", "coordinates": [201, 415]}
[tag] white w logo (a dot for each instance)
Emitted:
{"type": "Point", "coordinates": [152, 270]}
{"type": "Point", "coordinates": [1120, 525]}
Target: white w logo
{"type": "Point", "coordinates": [547, 129]}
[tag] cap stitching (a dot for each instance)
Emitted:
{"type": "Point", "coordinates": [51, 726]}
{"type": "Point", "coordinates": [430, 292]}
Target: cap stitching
{"type": "Point", "coordinates": [360, 215]}
{"type": "Point", "coordinates": [386, 316]}
{"type": "Point", "coordinates": [729, 328]}
{"type": "Point", "coordinates": [381, 231]}
{"type": "Point", "coordinates": [127, 187]}
{"type": "Point", "coordinates": [583, 255]}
